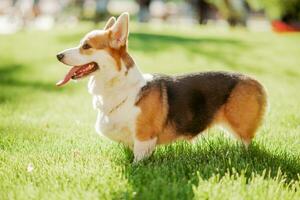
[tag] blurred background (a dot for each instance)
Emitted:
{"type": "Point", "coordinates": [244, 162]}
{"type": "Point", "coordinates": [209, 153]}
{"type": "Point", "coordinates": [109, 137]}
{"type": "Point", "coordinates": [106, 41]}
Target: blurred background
{"type": "Point", "coordinates": [258, 15]}
{"type": "Point", "coordinates": [48, 148]}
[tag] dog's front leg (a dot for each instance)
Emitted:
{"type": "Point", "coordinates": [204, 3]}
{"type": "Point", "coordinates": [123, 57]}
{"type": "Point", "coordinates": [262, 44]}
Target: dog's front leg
{"type": "Point", "coordinates": [143, 149]}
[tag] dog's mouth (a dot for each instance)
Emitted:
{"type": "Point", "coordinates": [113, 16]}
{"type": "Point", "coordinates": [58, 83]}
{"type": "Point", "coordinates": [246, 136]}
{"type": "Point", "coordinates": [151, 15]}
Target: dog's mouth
{"type": "Point", "coordinates": [78, 72]}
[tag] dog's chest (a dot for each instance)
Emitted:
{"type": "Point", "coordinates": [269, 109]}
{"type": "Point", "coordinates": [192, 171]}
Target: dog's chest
{"type": "Point", "coordinates": [117, 119]}
{"type": "Point", "coordinates": [118, 124]}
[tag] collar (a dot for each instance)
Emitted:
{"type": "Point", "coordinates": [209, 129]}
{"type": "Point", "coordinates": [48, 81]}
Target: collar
{"type": "Point", "coordinates": [123, 101]}
{"type": "Point", "coordinates": [117, 106]}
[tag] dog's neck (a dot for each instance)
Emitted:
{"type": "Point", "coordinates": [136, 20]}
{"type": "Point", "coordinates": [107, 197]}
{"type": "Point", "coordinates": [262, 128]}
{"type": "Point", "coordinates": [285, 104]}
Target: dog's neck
{"type": "Point", "coordinates": [111, 93]}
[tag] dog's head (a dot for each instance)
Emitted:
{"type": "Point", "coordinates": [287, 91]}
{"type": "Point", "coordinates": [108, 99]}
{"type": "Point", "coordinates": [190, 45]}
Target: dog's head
{"type": "Point", "coordinates": [100, 51]}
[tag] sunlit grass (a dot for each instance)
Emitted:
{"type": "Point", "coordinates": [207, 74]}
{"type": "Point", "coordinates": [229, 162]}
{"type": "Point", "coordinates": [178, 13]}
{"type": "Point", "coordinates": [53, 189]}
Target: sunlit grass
{"type": "Point", "coordinates": [49, 148]}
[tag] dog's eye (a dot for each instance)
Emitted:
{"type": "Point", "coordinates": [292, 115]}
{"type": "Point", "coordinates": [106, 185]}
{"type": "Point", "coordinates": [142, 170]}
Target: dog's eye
{"type": "Point", "coordinates": [86, 46]}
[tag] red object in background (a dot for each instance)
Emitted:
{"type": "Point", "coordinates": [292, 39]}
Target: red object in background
{"type": "Point", "coordinates": [280, 26]}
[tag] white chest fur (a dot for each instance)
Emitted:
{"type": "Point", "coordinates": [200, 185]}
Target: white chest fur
{"type": "Point", "coordinates": [119, 124]}
{"type": "Point", "coordinates": [115, 103]}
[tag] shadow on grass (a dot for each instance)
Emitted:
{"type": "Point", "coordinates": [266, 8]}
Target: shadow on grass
{"type": "Point", "coordinates": [173, 170]}
{"type": "Point", "coordinates": [10, 79]}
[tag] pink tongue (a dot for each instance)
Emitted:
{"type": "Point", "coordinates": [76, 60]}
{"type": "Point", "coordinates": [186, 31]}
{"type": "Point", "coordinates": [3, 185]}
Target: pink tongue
{"type": "Point", "coordinates": [68, 76]}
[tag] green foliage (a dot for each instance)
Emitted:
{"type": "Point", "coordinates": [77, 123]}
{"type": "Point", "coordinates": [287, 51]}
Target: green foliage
{"type": "Point", "coordinates": [220, 4]}
{"type": "Point", "coordinates": [49, 148]}
{"type": "Point", "coordinates": [228, 11]}
{"type": "Point", "coordinates": [276, 9]}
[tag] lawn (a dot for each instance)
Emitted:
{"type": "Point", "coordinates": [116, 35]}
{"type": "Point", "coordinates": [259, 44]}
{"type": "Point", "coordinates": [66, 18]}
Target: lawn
{"type": "Point", "coordinates": [50, 150]}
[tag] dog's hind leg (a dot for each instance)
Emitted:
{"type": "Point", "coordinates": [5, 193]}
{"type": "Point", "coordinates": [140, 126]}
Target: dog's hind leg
{"type": "Point", "coordinates": [245, 109]}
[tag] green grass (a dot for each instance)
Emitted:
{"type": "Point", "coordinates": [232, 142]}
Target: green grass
{"type": "Point", "coordinates": [52, 129]}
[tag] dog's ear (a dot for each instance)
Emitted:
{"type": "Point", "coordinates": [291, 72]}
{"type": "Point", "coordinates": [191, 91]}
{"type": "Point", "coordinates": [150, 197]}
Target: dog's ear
{"type": "Point", "coordinates": [119, 31]}
{"type": "Point", "coordinates": [110, 23]}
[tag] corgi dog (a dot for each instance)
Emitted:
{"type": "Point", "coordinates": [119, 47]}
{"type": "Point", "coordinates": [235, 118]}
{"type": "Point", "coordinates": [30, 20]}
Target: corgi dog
{"type": "Point", "coordinates": [143, 110]}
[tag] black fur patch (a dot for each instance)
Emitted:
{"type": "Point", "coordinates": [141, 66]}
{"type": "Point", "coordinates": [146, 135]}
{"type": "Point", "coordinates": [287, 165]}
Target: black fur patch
{"type": "Point", "coordinates": [194, 99]}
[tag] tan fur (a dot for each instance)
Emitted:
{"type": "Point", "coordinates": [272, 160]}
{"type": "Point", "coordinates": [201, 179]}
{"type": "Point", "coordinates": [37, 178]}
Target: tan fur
{"type": "Point", "coordinates": [153, 114]}
{"type": "Point", "coordinates": [169, 135]}
{"type": "Point", "coordinates": [115, 53]}
{"type": "Point", "coordinates": [101, 41]}
{"type": "Point", "coordinates": [97, 41]}
{"type": "Point", "coordinates": [121, 55]}
{"type": "Point", "coordinates": [127, 59]}
{"type": "Point", "coordinates": [244, 110]}
{"type": "Point", "coordinates": [152, 120]}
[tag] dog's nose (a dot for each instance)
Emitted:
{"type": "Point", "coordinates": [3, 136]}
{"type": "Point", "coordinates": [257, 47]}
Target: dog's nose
{"type": "Point", "coordinates": [60, 56]}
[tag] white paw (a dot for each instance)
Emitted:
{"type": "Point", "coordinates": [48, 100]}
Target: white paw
{"type": "Point", "coordinates": [143, 149]}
